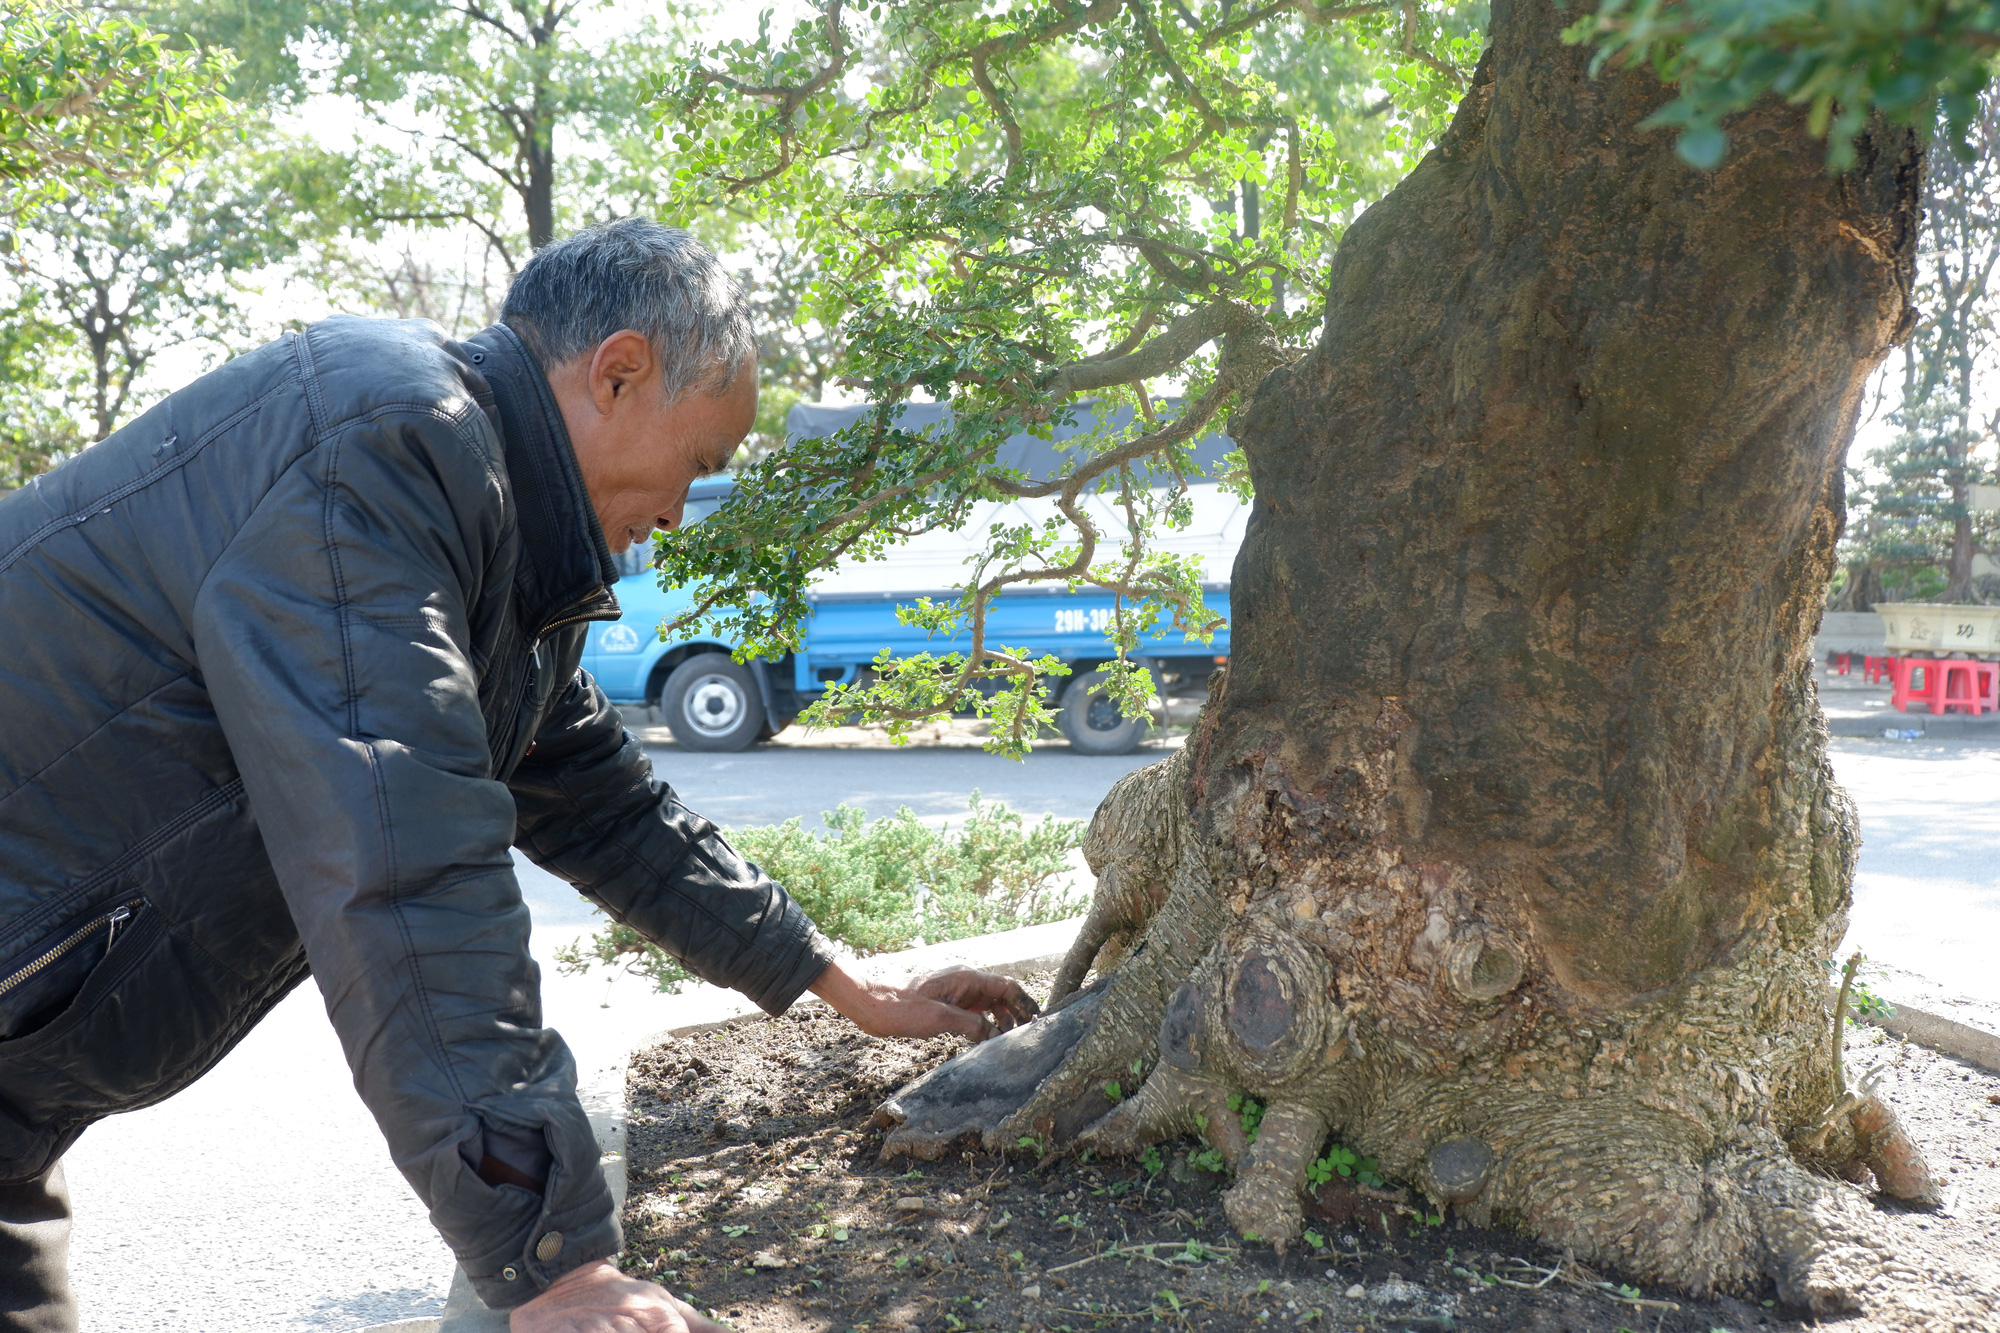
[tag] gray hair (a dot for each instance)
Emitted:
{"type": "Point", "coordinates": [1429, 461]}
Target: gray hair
{"type": "Point", "coordinates": [634, 274]}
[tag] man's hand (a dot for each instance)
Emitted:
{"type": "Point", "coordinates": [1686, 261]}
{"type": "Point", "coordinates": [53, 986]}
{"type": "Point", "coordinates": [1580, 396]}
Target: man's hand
{"type": "Point", "coordinates": [597, 1298]}
{"type": "Point", "coordinates": [958, 999]}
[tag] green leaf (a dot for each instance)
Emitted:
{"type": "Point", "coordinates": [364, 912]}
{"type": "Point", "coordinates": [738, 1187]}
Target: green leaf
{"type": "Point", "coordinates": [1702, 146]}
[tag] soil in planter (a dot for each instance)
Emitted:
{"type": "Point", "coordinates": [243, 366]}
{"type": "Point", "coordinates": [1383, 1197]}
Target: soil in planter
{"type": "Point", "coordinates": [756, 1193]}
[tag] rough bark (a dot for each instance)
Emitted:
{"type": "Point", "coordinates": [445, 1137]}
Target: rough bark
{"type": "Point", "coordinates": [1509, 848]}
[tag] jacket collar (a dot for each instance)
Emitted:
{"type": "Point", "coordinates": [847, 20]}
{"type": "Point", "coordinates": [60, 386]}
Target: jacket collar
{"type": "Point", "coordinates": [566, 572]}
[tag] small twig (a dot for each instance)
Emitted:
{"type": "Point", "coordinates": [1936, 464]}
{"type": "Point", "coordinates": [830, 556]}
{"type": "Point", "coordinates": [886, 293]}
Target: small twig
{"type": "Point", "coordinates": [1840, 1021]}
{"type": "Point", "coordinates": [1548, 1275]}
{"type": "Point", "coordinates": [1145, 1251]}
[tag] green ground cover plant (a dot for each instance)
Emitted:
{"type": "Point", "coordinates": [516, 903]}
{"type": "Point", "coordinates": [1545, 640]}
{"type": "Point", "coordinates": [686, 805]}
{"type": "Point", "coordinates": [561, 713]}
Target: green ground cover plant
{"type": "Point", "coordinates": [885, 884]}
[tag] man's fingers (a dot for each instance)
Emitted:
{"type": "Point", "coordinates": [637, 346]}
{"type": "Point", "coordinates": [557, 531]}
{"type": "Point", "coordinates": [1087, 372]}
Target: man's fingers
{"type": "Point", "coordinates": [1021, 1004]}
{"type": "Point", "coordinates": [919, 1016]}
{"type": "Point", "coordinates": [597, 1298]}
{"type": "Point", "coordinates": [967, 1023]}
{"type": "Point", "coordinates": [985, 991]}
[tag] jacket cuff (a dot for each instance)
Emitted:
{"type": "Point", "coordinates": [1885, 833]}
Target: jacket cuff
{"type": "Point", "coordinates": [556, 1243]}
{"type": "Point", "coordinates": [809, 957]}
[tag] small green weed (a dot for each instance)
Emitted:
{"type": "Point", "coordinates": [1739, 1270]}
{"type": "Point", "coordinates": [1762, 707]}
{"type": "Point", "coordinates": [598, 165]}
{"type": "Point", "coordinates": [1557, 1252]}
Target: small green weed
{"type": "Point", "coordinates": [1251, 1111]}
{"type": "Point", "coordinates": [1344, 1162]}
{"type": "Point", "coordinates": [1862, 1001]}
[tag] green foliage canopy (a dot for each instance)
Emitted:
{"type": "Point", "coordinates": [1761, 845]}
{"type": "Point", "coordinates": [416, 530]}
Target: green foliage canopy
{"type": "Point", "coordinates": [84, 102]}
{"type": "Point", "coordinates": [1844, 59]}
{"type": "Point", "coordinates": [493, 102]}
{"type": "Point", "coordinates": [102, 281]}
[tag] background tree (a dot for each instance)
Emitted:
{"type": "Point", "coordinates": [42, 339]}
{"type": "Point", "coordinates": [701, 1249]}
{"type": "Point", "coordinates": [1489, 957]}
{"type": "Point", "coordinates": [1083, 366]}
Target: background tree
{"type": "Point", "coordinates": [1915, 532]}
{"type": "Point", "coordinates": [1473, 856]}
{"type": "Point", "coordinates": [87, 101]}
{"type": "Point", "coordinates": [106, 280]}
{"type": "Point", "coordinates": [488, 105]}
{"type": "Point", "coordinates": [84, 103]}
{"type": "Point", "coordinates": [35, 432]}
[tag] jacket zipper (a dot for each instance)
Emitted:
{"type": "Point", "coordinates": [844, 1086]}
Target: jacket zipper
{"type": "Point", "coordinates": [111, 921]}
{"type": "Point", "coordinates": [581, 609]}
{"type": "Point", "coordinates": [575, 611]}
{"type": "Point", "coordinates": [520, 700]}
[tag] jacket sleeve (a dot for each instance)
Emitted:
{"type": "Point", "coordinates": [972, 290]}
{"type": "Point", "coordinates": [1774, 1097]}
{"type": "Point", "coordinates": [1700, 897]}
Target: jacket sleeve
{"type": "Point", "coordinates": [592, 813]}
{"type": "Point", "coordinates": [333, 638]}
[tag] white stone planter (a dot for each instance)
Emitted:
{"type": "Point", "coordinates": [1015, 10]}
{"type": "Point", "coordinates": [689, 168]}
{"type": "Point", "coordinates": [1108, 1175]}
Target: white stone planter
{"type": "Point", "coordinates": [1912, 627]}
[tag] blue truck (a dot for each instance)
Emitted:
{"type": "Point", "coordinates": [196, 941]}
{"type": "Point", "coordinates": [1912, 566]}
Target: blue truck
{"type": "Point", "coordinates": [712, 702]}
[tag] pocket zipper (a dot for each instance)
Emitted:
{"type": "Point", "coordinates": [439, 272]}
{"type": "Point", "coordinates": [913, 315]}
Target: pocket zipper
{"type": "Point", "coordinates": [111, 921]}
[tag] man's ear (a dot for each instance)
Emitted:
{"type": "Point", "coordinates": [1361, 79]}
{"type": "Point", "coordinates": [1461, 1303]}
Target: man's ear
{"type": "Point", "coordinates": [621, 363]}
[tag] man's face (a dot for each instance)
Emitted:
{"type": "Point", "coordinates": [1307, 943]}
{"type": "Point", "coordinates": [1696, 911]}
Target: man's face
{"type": "Point", "coordinates": [638, 453]}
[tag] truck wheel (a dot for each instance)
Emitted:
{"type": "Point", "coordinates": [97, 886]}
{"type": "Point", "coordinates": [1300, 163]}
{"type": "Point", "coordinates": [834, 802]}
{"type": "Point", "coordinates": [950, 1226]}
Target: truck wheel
{"type": "Point", "coordinates": [1093, 723]}
{"type": "Point", "coordinates": [711, 703]}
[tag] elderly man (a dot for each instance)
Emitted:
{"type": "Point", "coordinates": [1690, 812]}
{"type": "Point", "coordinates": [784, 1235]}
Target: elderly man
{"type": "Point", "coordinates": [291, 664]}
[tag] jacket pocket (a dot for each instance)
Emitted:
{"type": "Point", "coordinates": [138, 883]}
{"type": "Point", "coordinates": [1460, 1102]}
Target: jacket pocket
{"type": "Point", "coordinates": [38, 984]}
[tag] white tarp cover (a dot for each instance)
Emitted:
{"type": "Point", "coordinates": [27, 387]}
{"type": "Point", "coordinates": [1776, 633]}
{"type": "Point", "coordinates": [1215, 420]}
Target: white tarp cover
{"type": "Point", "coordinates": [937, 561]}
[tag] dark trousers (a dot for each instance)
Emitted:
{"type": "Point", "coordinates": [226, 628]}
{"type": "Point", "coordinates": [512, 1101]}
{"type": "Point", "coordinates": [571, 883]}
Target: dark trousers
{"type": "Point", "coordinates": [34, 1256]}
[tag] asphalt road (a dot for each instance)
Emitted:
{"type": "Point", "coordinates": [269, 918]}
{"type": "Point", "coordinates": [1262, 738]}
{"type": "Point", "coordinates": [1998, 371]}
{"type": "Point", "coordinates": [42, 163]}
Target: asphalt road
{"type": "Point", "coordinates": [262, 1200]}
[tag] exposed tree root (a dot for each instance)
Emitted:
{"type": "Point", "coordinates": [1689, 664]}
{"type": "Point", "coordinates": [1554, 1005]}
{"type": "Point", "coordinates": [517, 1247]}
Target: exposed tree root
{"type": "Point", "coordinates": [1397, 1005]}
{"type": "Point", "coordinates": [1133, 864]}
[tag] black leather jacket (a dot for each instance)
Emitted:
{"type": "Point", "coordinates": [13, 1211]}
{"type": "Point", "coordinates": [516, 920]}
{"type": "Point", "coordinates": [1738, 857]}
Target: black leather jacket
{"type": "Point", "coordinates": [286, 667]}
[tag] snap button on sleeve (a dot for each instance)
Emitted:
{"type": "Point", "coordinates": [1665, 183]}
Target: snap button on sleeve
{"type": "Point", "coordinates": [509, 1274]}
{"type": "Point", "coordinates": [549, 1246]}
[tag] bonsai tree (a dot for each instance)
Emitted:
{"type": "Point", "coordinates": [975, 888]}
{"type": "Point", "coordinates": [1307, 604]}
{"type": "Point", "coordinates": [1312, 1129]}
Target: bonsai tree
{"type": "Point", "coordinates": [1508, 846]}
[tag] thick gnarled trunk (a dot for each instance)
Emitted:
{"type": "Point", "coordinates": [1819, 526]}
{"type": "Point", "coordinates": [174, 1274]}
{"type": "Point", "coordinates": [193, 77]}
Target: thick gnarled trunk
{"type": "Point", "coordinates": [1510, 849]}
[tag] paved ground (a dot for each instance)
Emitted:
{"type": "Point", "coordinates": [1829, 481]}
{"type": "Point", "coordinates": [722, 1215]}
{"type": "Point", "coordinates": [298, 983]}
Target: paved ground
{"type": "Point", "coordinates": [262, 1201]}
{"type": "Point", "coordinates": [1927, 894]}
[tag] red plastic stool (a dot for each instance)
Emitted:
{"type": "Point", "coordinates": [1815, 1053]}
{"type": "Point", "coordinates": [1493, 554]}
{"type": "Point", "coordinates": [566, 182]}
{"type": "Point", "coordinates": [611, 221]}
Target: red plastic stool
{"type": "Point", "coordinates": [1967, 685]}
{"type": "Point", "coordinates": [1904, 689]}
{"type": "Point", "coordinates": [1839, 664]}
{"type": "Point", "coordinates": [1875, 670]}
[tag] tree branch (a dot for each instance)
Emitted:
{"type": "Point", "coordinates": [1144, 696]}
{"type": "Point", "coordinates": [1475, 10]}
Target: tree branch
{"type": "Point", "coordinates": [1129, 341]}
{"type": "Point", "coordinates": [1317, 15]}
{"type": "Point", "coordinates": [1179, 341]}
{"type": "Point", "coordinates": [790, 97]}
{"type": "Point", "coordinates": [1001, 112]}
{"type": "Point", "coordinates": [1411, 47]}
